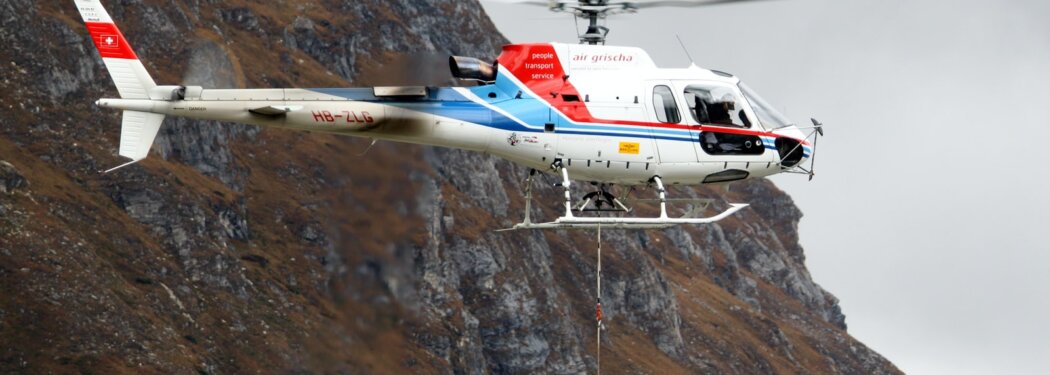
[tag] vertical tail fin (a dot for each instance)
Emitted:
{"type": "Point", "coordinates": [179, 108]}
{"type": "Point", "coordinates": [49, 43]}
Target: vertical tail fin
{"type": "Point", "coordinates": [138, 129]}
{"type": "Point", "coordinates": [130, 76]}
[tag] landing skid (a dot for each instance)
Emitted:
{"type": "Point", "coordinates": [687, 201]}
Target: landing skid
{"type": "Point", "coordinates": [570, 221]}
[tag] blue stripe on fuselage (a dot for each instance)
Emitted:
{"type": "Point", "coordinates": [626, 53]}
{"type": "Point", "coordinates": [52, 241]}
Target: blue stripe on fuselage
{"type": "Point", "coordinates": [533, 112]}
{"type": "Point", "coordinates": [442, 101]}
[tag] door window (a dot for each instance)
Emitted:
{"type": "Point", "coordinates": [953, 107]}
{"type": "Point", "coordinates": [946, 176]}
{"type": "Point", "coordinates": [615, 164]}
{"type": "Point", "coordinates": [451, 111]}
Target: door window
{"type": "Point", "coordinates": [664, 105]}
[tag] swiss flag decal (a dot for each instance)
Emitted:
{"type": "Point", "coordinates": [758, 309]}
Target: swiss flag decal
{"type": "Point", "coordinates": [109, 41]}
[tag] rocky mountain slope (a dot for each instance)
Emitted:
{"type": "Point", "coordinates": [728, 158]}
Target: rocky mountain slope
{"type": "Point", "coordinates": [238, 250]}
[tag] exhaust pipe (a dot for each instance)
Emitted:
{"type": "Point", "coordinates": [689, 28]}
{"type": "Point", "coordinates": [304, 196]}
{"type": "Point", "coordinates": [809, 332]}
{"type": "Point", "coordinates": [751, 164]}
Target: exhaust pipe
{"type": "Point", "coordinates": [168, 93]}
{"type": "Point", "coordinates": [471, 68]}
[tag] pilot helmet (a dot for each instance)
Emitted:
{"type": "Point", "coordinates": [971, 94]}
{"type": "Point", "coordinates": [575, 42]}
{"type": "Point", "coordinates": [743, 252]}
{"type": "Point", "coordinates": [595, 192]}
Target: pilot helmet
{"type": "Point", "coordinates": [728, 101]}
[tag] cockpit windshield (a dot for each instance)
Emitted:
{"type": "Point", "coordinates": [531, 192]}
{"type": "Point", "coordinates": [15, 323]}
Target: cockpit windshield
{"type": "Point", "coordinates": [766, 113]}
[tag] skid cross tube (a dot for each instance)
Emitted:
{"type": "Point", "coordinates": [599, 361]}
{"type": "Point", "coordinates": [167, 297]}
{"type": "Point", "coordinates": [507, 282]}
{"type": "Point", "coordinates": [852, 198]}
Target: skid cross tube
{"type": "Point", "coordinates": [528, 197]}
{"type": "Point", "coordinates": [565, 183]}
{"type": "Point", "coordinates": [663, 196]}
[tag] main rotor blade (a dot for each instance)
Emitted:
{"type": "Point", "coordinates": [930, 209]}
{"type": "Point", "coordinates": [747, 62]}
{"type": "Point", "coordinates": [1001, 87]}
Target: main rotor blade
{"type": "Point", "coordinates": [546, 4]}
{"type": "Point", "coordinates": [680, 3]}
{"type": "Point", "coordinates": [562, 4]}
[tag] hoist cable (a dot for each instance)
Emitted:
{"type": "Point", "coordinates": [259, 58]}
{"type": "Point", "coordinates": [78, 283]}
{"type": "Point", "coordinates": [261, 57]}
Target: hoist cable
{"type": "Point", "coordinates": [599, 307]}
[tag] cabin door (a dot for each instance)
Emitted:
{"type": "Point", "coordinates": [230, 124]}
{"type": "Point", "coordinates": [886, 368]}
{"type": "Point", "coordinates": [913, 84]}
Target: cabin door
{"type": "Point", "coordinates": [674, 137]}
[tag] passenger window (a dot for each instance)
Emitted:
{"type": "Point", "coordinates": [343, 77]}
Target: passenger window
{"type": "Point", "coordinates": [716, 143]}
{"type": "Point", "coordinates": [664, 105]}
{"type": "Point", "coordinates": [716, 105]}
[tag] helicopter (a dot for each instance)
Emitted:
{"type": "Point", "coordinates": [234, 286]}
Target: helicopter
{"type": "Point", "coordinates": [588, 112]}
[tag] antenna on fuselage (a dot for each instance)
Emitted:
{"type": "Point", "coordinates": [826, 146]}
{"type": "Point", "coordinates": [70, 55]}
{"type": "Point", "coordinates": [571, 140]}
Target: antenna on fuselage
{"type": "Point", "coordinates": [686, 50]}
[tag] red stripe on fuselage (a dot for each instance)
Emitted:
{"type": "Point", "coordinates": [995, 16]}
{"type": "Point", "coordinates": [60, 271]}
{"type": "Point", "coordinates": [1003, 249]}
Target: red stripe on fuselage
{"type": "Point", "coordinates": [538, 67]}
{"type": "Point", "coordinates": [110, 41]}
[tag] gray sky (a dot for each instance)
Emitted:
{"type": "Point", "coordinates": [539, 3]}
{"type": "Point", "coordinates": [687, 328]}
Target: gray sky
{"type": "Point", "coordinates": [931, 187]}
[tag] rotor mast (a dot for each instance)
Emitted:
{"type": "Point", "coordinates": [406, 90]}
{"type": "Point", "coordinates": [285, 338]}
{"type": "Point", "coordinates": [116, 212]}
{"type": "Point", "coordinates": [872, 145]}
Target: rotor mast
{"type": "Point", "coordinates": [592, 11]}
{"type": "Point", "coordinates": [595, 33]}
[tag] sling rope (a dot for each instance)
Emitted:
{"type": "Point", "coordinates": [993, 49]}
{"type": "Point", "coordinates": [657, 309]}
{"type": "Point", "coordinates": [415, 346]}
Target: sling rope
{"type": "Point", "coordinates": [599, 307]}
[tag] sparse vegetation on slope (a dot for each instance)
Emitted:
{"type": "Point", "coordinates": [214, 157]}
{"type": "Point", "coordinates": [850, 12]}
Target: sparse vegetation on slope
{"type": "Point", "coordinates": [240, 250]}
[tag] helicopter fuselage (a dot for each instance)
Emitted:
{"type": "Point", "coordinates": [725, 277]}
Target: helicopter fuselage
{"type": "Point", "coordinates": [605, 113]}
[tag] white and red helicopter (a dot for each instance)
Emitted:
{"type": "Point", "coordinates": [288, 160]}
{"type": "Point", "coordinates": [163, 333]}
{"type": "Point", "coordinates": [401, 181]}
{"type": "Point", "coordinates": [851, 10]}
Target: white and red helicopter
{"type": "Point", "coordinates": [601, 114]}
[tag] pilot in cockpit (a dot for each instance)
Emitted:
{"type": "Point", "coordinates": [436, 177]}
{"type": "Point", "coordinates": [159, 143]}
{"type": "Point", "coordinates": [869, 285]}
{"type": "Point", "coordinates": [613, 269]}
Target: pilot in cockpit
{"type": "Point", "coordinates": [720, 110]}
{"type": "Point", "coordinates": [716, 106]}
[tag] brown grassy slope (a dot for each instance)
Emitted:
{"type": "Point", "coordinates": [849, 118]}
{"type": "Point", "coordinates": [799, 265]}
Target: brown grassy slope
{"type": "Point", "coordinates": [296, 255]}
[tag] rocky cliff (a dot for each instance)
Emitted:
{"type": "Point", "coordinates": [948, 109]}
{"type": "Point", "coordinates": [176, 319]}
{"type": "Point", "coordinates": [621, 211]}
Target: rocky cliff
{"type": "Point", "coordinates": [235, 249]}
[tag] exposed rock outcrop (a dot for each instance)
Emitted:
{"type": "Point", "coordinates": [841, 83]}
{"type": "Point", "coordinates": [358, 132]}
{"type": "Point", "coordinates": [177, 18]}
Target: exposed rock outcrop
{"type": "Point", "coordinates": [235, 249]}
{"type": "Point", "coordinates": [10, 179]}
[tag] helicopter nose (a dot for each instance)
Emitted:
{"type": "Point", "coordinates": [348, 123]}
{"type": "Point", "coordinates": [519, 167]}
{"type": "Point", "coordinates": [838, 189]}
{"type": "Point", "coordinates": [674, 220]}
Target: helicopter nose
{"type": "Point", "coordinates": [791, 151]}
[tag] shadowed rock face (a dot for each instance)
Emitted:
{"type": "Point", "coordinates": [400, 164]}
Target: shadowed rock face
{"type": "Point", "coordinates": [235, 249]}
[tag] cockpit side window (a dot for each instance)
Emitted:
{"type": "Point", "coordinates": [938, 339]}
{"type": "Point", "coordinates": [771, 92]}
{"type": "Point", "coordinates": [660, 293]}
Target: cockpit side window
{"type": "Point", "coordinates": [664, 105]}
{"type": "Point", "coordinates": [716, 105]}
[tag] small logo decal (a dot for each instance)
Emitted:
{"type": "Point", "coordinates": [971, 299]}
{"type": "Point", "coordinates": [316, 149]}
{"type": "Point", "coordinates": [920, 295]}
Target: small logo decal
{"type": "Point", "coordinates": [513, 139]}
{"type": "Point", "coordinates": [109, 41]}
{"type": "Point", "coordinates": [632, 148]}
